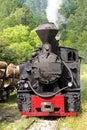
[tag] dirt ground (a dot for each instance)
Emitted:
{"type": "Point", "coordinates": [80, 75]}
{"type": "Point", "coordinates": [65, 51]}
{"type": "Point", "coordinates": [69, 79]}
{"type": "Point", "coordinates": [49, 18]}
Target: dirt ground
{"type": "Point", "coordinates": [9, 110]}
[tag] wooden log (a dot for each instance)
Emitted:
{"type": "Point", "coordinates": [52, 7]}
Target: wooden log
{"type": "Point", "coordinates": [12, 70]}
{"type": "Point", "coordinates": [2, 71]}
{"type": "Point", "coordinates": [10, 82]}
{"type": "Point", "coordinates": [3, 65]}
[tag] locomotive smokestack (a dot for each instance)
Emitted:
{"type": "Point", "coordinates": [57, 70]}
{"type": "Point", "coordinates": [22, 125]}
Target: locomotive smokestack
{"type": "Point", "coordinates": [47, 32]}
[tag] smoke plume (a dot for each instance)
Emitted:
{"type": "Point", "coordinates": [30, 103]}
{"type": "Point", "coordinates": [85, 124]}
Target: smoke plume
{"type": "Point", "coordinates": [52, 10]}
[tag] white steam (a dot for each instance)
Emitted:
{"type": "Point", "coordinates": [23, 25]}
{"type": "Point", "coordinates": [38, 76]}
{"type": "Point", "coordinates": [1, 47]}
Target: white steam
{"type": "Point", "coordinates": [52, 10]}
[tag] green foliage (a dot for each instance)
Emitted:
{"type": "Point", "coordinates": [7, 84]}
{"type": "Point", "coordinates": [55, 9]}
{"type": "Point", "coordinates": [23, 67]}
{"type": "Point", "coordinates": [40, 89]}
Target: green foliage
{"type": "Point", "coordinates": [21, 43]}
{"type": "Point", "coordinates": [68, 7]}
{"type": "Point", "coordinates": [18, 18]}
{"type": "Point", "coordinates": [82, 40]}
{"type": "Point", "coordinates": [14, 18]}
{"type": "Point", "coordinates": [74, 32]}
{"type": "Point", "coordinates": [15, 34]}
{"type": "Point", "coordinates": [7, 7]}
{"type": "Point", "coordinates": [3, 46]}
{"type": "Point", "coordinates": [14, 13]}
{"type": "Point", "coordinates": [82, 45]}
{"type": "Point", "coordinates": [34, 39]}
{"type": "Point", "coordinates": [21, 52]}
{"type": "Point", "coordinates": [38, 8]}
{"type": "Point", "coordinates": [67, 43]}
{"type": "Point", "coordinates": [70, 39]}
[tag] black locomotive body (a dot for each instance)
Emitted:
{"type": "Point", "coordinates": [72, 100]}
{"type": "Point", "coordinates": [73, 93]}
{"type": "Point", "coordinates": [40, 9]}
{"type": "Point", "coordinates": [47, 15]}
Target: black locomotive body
{"type": "Point", "coordinates": [49, 83]}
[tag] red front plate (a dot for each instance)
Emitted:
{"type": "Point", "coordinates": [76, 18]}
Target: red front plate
{"type": "Point", "coordinates": [58, 102]}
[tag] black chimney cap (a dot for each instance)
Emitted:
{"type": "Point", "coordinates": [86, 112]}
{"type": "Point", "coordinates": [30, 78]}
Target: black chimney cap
{"type": "Point", "coordinates": [47, 32]}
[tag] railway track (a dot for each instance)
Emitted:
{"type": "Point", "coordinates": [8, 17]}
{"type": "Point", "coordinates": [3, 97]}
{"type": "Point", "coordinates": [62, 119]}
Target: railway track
{"type": "Point", "coordinates": [43, 124]}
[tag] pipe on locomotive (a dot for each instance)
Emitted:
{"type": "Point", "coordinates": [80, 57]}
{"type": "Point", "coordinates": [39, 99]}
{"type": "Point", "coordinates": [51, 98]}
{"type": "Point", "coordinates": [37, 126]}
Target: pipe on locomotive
{"type": "Point", "coordinates": [70, 83]}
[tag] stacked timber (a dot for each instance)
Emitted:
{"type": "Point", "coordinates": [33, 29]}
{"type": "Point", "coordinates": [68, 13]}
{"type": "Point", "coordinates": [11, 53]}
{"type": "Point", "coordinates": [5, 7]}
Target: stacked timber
{"type": "Point", "coordinates": [9, 75]}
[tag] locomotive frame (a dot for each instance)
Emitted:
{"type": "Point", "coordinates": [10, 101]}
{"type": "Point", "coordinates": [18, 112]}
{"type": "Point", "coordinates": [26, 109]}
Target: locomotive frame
{"type": "Point", "coordinates": [49, 83]}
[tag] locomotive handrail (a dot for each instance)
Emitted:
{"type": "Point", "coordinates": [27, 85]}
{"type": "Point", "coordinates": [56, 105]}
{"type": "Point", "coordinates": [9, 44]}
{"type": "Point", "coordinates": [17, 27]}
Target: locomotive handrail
{"type": "Point", "coordinates": [68, 70]}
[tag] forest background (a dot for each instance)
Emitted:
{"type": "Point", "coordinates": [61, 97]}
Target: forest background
{"type": "Point", "coordinates": [19, 19]}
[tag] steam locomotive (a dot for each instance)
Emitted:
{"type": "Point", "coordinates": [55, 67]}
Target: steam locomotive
{"type": "Point", "coordinates": [49, 83]}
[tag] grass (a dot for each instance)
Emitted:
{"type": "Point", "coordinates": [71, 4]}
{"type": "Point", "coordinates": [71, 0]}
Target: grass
{"type": "Point", "coordinates": [80, 121]}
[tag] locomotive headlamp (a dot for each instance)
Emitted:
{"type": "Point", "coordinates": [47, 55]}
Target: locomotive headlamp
{"type": "Point", "coordinates": [26, 85]}
{"type": "Point", "coordinates": [69, 84]}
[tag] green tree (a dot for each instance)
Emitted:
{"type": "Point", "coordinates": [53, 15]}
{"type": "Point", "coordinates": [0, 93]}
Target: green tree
{"type": "Point", "coordinates": [8, 6]}
{"type": "Point", "coordinates": [15, 34]}
{"type": "Point", "coordinates": [76, 20]}
{"type": "Point", "coordinates": [3, 47]}
{"type": "Point", "coordinates": [12, 13]}
{"type": "Point", "coordinates": [21, 43]}
{"type": "Point", "coordinates": [68, 7]}
{"type": "Point", "coordinates": [34, 39]}
{"type": "Point", "coordinates": [38, 8]}
{"type": "Point", "coordinates": [22, 52]}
